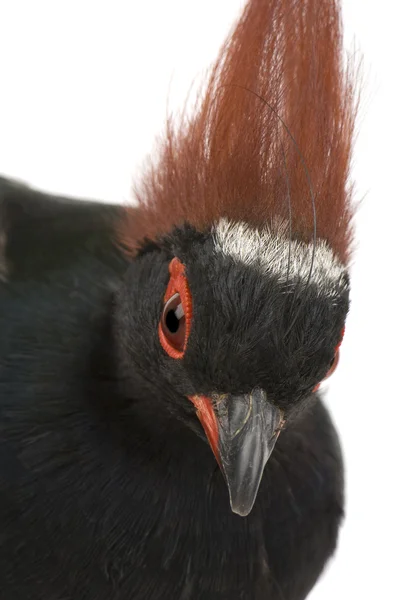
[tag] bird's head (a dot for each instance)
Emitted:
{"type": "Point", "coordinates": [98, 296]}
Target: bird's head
{"type": "Point", "coordinates": [234, 319]}
{"type": "Point", "coordinates": [233, 329]}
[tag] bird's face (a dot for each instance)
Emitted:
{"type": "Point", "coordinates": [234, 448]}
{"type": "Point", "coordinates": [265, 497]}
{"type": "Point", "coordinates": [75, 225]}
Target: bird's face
{"type": "Point", "coordinates": [234, 329]}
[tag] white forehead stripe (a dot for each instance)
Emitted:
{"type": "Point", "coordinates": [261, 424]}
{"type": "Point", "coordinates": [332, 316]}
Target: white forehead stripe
{"type": "Point", "coordinates": [268, 251]}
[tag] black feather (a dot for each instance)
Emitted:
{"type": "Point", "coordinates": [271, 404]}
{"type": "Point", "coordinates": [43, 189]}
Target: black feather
{"type": "Point", "coordinates": [105, 492]}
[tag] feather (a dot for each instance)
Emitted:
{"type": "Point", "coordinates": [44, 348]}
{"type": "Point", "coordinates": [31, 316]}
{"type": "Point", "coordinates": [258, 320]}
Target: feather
{"type": "Point", "coordinates": [270, 138]}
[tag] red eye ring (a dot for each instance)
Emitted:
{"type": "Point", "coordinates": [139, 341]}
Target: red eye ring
{"type": "Point", "coordinates": [174, 343]}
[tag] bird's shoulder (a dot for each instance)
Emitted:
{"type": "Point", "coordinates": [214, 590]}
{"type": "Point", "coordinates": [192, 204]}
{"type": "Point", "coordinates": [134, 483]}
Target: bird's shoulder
{"type": "Point", "coordinates": [42, 232]}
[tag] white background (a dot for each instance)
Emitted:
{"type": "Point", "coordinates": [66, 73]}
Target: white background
{"type": "Point", "coordinates": [83, 93]}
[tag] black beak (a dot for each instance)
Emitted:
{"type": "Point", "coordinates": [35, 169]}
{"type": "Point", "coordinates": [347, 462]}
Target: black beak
{"type": "Point", "coordinates": [242, 431]}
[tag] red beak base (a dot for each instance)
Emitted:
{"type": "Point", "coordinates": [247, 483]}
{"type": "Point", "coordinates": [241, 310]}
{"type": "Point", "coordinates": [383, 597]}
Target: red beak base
{"type": "Point", "coordinates": [242, 432]}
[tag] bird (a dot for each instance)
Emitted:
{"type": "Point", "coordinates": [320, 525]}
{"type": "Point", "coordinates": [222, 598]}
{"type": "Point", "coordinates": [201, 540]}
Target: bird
{"type": "Point", "coordinates": [162, 428]}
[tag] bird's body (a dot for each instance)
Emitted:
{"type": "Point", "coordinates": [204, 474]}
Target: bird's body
{"type": "Point", "coordinates": [160, 365]}
{"type": "Point", "coordinates": [99, 503]}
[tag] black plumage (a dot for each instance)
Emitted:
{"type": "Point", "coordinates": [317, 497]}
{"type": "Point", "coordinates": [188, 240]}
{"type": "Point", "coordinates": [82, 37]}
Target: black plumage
{"type": "Point", "coordinates": [105, 492]}
{"type": "Point", "coordinates": [161, 430]}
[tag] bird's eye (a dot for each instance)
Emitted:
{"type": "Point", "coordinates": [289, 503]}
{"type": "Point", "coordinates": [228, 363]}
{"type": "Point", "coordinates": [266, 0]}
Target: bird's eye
{"type": "Point", "coordinates": [333, 365]}
{"type": "Point", "coordinates": [173, 322]}
{"type": "Point", "coordinates": [331, 370]}
{"type": "Point", "coordinates": [176, 317]}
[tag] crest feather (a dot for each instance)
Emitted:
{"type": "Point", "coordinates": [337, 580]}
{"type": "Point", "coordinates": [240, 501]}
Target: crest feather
{"type": "Point", "coordinates": [279, 106]}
